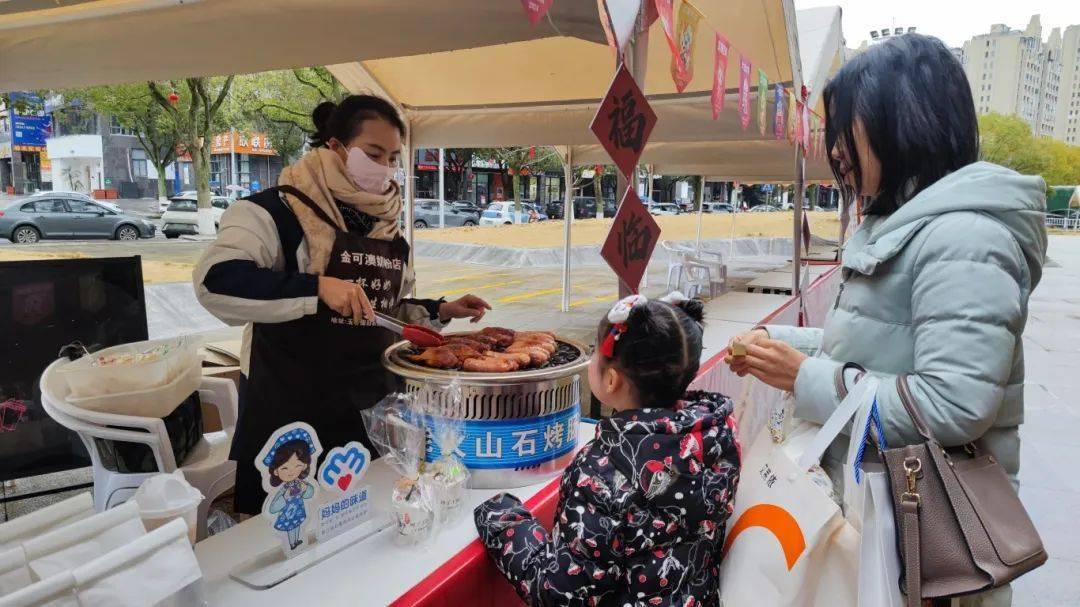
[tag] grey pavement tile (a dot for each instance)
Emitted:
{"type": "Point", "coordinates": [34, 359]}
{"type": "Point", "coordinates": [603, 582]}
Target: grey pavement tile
{"type": "Point", "coordinates": [1049, 420]}
{"type": "Point", "coordinates": [1055, 584]}
{"type": "Point", "coordinates": [1052, 368]}
{"type": "Point", "coordinates": [1048, 465]}
{"type": "Point", "coordinates": [1055, 516]}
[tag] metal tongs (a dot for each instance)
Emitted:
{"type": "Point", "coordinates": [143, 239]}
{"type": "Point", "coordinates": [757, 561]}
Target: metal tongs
{"type": "Point", "coordinates": [417, 335]}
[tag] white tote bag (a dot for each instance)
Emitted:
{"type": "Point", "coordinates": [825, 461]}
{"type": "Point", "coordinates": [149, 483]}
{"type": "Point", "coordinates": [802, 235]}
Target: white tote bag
{"type": "Point", "coordinates": [67, 547]}
{"type": "Point", "coordinates": [789, 543]}
{"type": "Point", "coordinates": [16, 531]}
{"type": "Point", "coordinates": [157, 569]}
{"type": "Point", "coordinates": [868, 507]}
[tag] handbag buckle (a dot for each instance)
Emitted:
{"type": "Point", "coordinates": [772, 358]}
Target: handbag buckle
{"type": "Point", "coordinates": [912, 467]}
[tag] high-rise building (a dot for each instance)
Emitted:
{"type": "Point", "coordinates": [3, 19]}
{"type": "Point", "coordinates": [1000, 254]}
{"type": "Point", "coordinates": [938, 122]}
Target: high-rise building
{"type": "Point", "coordinates": [1067, 123]}
{"type": "Point", "coordinates": [1014, 72]}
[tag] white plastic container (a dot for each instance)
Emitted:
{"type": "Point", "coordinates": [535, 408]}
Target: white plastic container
{"type": "Point", "coordinates": [131, 367]}
{"type": "Point", "coordinates": [164, 497]}
{"type": "Point", "coordinates": [152, 402]}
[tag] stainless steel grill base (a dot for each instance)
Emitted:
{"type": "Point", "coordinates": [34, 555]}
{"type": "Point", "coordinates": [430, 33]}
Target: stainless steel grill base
{"type": "Point", "coordinates": [517, 395]}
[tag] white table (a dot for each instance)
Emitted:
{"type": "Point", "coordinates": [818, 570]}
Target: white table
{"type": "Point", "coordinates": [779, 281]}
{"type": "Point", "coordinates": [374, 571]}
{"type": "Point", "coordinates": [734, 313]}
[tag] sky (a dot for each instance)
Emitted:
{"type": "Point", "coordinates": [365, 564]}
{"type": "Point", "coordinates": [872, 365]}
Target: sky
{"type": "Point", "coordinates": [954, 21]}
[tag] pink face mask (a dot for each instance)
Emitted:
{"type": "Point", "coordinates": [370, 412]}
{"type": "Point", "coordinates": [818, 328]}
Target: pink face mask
{"type": "Point", "coordinates": [366, 174]}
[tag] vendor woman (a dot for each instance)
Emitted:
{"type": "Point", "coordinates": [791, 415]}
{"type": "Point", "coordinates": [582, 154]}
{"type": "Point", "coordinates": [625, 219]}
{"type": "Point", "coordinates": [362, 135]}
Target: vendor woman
{"type": "Point", "coordinates": [303, 266]}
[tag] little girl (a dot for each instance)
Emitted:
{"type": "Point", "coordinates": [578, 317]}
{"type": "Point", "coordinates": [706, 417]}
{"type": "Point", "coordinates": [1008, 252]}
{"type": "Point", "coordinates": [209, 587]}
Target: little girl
{"type": "Point", "coordinates": [643, 507]}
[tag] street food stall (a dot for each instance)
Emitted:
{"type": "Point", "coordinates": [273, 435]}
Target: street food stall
{"type": "Point", "coordinates": [439, 71]}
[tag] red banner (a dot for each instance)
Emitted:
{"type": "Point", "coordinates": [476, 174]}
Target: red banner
{"type": "Point", "coordinates": [667, 21]}
{"type": "Point", "coordinates": [631, 241]}
{"type": "Point", "coordinates": [623, 121]}
{"type": "Point", "coordinates": [682, 62]}
{"type": "Point", "coordinates": [744, 91]}
{"type": "Point", "coordinates": [798, 122]}
{"type": "Point", "coordinates": [719, 90]}
{"type": "Point", "coordinates": [536, 9]}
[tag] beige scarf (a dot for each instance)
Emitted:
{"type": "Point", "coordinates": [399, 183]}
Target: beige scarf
{"type": "Point", "coordinates": [321, 175]}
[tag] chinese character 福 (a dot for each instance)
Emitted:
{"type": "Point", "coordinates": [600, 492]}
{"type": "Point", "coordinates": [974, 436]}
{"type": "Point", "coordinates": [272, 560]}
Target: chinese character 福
{"type": "Point", "coordinates": [627, 123]}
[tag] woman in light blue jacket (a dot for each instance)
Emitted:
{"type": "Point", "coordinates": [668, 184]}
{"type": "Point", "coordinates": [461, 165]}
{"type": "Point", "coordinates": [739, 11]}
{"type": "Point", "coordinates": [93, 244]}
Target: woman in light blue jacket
{"type": "Point", "coordinates": [936, 279]}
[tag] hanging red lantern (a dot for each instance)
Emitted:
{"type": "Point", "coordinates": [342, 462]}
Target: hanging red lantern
{"type": "Point", "coordinates": [173, 98]}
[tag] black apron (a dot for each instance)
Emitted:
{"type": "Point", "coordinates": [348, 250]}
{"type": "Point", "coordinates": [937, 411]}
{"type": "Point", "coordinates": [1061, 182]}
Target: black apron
{"type": "Point", "coordinates": [321, 369]}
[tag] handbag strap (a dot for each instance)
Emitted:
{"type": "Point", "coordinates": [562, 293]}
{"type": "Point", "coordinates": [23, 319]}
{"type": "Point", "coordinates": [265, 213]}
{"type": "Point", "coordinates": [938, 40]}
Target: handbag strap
{"type": "Point", "coordinates": [904, 390]}
{"type": "Point", "coordinates": [309, 203]}
{"type": "Point", "coordinates": [912, 563]}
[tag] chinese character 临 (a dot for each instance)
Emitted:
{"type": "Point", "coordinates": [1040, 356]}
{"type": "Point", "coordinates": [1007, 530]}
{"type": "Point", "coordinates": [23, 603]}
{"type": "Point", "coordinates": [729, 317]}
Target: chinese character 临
{"type": "Point", "coordinates": [553, 436]}
{"type": "Point", "coordinates": [634, 239]}
{"type": "Point", "coordinates": [627, 123]}
{"type": "Point", "coordinates": [488, 451]}
{"type": "Point", "coordinates": [524, 445]}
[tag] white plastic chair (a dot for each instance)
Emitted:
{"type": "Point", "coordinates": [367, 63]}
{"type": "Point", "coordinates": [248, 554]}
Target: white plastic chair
{"type": "Point", "coordinates": [207, 467]}
{"type": "Point", "coordinates": [676, 264]}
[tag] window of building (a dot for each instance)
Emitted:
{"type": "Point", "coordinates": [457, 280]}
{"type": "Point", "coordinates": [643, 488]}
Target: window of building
{"type": "Point", "coordinates": [138, 163]}
{"type": "Point", "coordinates": [118, 129]}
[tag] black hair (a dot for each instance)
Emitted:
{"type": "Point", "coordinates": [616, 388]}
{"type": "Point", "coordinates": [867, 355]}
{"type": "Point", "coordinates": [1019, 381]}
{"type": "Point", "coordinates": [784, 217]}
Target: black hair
{"type": "Point", "coordinates": [343, 121]}
{"type": "Point", "coordinates": [660, 351]}
{"type": "Point", "coordinates": [300, 449]}
{"type": "Point", "coordinates": [915, 105]}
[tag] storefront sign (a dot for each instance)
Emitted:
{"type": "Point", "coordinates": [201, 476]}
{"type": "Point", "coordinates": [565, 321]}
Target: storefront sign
{"type": "Point", "coordinates": [624, 121]}
{"type": "Point", "coordinates": [719, 84]}
{"type": "Point", "coordinates": [28, 133]}
{"type": "Point", "coordinates": [511, 443]}
{"type": "Point", "coordinates": [246, 143]}
{"type": "Point", "coordinates": [631, 241]}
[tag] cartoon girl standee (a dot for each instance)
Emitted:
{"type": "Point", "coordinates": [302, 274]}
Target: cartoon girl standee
{"type": "Point", "coordinates": [285, 466]}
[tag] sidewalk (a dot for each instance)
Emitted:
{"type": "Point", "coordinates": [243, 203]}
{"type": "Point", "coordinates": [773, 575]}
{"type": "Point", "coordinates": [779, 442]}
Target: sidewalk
{"type": "Point", "coordinates": [1050, 447]}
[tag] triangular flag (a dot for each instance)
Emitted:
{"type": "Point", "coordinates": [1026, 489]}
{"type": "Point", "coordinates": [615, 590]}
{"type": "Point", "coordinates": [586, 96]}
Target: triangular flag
{"type": "Point", "coordinates": [667, 22]}
{"type": "Point", "coordinates": [536, 9]}
{"type": "Point", "coordinates": [622, 16]}
{"type": "Point", "coordinates": [778, 118]}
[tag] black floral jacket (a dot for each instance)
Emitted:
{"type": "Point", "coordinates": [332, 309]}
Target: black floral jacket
{"type": "Point", "coordinates": [641, 515]}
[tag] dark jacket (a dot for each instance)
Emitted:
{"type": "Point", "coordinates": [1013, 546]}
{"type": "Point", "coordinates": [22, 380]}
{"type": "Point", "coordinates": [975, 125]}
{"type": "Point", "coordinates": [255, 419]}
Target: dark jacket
{"type": "Point", "coordinates": [641, 515]}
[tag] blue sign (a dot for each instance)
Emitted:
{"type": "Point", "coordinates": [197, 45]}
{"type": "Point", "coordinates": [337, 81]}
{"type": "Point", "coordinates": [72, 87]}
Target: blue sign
{"type": "Point", "coordinates": [512, 443]}
{"type": "Point", "coordinates": [255, 186]}
{"type": "Point", "coordinates": [30, 131]}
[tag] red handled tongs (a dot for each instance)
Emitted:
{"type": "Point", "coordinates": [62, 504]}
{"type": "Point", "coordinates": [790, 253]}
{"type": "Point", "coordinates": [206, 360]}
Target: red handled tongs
{"type": "Point", "coordinates": [419, 336]}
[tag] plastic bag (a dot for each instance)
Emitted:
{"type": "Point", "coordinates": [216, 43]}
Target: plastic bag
{"type": "Point", "coordinates": [217, 521]}
{"type": "Point", "coordinates": [395, 427]}
{"type": "Point", "coordinates": [132, 367]}
{"type": "Point", "coordinates": [444, 474]}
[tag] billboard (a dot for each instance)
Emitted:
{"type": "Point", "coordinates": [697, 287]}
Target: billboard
{"type": "Point", "coordinates": [28, 133]}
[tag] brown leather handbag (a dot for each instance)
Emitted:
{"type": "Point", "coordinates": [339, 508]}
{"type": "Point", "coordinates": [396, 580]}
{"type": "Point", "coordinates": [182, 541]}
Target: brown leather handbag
{"type": "Point", "coordinates": [961, 526]}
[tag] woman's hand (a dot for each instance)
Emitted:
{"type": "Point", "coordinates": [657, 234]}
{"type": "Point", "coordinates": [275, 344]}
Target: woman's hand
{"type": "Point", "coordinates": [738, 363]}
{"type": "Point", "coordinates": [345, 298]}
{"type": "Point", "coordinates": [774, 363]}
{"type": "Point", "coordinates": [469, 306]}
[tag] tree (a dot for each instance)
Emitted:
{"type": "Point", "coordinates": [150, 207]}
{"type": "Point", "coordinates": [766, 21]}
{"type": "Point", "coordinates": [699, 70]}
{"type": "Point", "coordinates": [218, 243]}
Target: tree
{"type": "Point", "coordinates": [518, 160]}
{"type": "Point", "coordinates": [280, 104]}
{"type": "Point", "coordinates": [1007, 140]}
{"type": "Point", "coordinates": [193, 110]}
{"type": "Point", "coordinates": [1063, 165]}
{"type": "Point", "coordinates": [133, 106]}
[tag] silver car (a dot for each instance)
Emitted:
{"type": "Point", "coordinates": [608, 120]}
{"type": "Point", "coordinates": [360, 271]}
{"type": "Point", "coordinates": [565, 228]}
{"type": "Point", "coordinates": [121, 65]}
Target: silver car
{"type": "Point", "coordinates": [29, 220]}
{"type": "Point", "coordinates": [426, 215]}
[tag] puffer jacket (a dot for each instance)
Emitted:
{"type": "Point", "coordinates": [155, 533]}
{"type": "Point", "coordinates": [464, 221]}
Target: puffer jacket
{"type": "Point", "coordinates": [641, 514]}
{"type": "Point", "coordinates": [936, 293]}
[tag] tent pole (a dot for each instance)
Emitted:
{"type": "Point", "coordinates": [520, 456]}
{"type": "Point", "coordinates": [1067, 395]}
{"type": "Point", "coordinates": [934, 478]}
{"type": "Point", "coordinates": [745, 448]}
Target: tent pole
{"type": "Point", "coordinates": [796, 230]}
{"type": "Point", "coordinates": [442, 187]}
{"type": "Point", "coordinates": [410, 187]}
{"type": "Point", "coordinates": [638, 57]}
{"type": "Point", "coordinates": [700, 195]}
{"type": "Point", "coordinates": [568, 219]}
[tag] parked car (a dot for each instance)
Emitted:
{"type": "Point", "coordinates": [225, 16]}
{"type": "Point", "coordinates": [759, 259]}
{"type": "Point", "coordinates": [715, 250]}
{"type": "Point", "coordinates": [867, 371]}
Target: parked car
{"type": "Point", "coordinates": [502, 213]}
{"type": "Point", "coordinates": [764, 208]}
{"type": "Point", "coordinates": [81, 196]}
{"type": "Point", "coordinates": [426, 215]}
{"type": "Point", "coordinates": [663, 208]}
{"type": "Point", "coordinates": [31, 219]}
{"type": "Point", "coordinates": [182, 215]}
{"type": "Point", "coordinates": [585, 208]}
{"type": "Point", "coordinates": [685, 205]}
{"type": "Point", "coordinates": [717, 207]}
{"type": "Point", "coordinates": [468, 206]}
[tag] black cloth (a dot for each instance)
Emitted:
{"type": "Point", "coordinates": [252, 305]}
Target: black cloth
{"type": "Point", "coordinates": [321, 369]}
{"type": "Point", "coordinates": [356, 221]}
{"type": "Point", "coordinates": [641, 515]}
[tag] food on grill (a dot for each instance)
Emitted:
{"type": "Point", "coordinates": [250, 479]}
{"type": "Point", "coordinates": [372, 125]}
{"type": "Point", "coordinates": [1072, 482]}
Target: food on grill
{"type": "Point", "coordinates": [494, 350]}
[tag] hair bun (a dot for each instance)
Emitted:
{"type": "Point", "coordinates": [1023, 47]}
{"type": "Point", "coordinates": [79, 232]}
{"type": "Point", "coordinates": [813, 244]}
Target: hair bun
{"type": "Point", "coordinates": [320, 117]}
{"type": "Point", "coordinates": [694, 308]}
